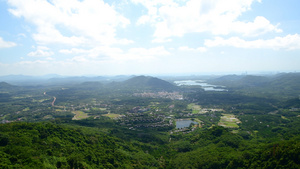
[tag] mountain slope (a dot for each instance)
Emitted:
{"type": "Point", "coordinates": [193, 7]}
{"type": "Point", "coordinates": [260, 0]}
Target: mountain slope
{"type": "Point", "coordinates": [286, 80]}
{"type": "Point", "coordinates": [241, 81]}
{"type": "Point", "coordinates": [6, 86]}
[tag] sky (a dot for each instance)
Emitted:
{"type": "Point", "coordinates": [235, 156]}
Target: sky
{"type": "Point", "coordinates": [113, 37]}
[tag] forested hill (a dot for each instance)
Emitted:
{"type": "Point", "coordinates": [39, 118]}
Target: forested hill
{"type": "Point", "coordinates": [284, 84]}
{"type": "Point", "coordinates": [148, 82]}
{"type": "Point", "coordinates": [235, 80]}
{"type": "Point", "coordinates": [134, 83]}
{"type": "Point", "coordinates": [287, 80]}
{"type": "Point", "coordinates": [6, 86]}
{"type": "Point", "coordinates": [278, 80]}
{"type": "Point", "coordinates": [46, 145]}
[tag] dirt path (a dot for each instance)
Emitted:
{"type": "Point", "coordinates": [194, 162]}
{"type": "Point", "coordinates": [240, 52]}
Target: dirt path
{"type": "Point", "coordinates": [54, 98]}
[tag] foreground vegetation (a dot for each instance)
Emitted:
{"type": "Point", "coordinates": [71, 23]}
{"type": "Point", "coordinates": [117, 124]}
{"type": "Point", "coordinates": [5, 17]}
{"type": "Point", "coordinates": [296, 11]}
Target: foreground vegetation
{"type": "Point", "coordinates": [50, 145]}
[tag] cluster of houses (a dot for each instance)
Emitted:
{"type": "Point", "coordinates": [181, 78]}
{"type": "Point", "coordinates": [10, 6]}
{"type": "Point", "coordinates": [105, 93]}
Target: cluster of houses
{"type": "Point", "coordinates": [169, 95]}
{"type": "Point", "coordinates": [139, 118]}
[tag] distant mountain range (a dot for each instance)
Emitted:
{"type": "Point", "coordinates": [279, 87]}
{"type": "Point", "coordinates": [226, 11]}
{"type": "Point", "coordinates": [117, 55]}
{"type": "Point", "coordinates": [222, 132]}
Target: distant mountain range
{"type": "Point", "coordinates": [22, 80]}
{"type": "Point", "coordinates": [137, 82]}
{"type": "Point", "coordinates": [285, 81]}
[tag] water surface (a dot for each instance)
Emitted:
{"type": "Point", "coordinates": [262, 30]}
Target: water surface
{"type": "Point", "coordinates": [202, 83]}
{"type": "Point", "coordinates": [184, 123]}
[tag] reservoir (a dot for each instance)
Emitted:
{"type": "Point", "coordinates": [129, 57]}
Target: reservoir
{"type": "Point", "coordinates": [205, 86]}
{"type": "Point", "coordinates": [184, 123]}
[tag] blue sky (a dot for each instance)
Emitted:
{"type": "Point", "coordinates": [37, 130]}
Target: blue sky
{"type": "Point", "coordinates": [112, 37]}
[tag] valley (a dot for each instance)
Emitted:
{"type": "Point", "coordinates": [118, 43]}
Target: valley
{"type": "Point", "coordinates": [147, 122]}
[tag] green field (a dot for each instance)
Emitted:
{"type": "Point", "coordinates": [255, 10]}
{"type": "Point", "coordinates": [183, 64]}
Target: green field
{"type": "Point", "coordinates": [40, 100]}
{"type": "Point", "coordinates": [195, 108]}
{"type": "Point", "coordinates": [79, 115]}
{"type": "Point", "coordinates": [26, 109]}
{"type": "Point", "coordinates": [229, 121]}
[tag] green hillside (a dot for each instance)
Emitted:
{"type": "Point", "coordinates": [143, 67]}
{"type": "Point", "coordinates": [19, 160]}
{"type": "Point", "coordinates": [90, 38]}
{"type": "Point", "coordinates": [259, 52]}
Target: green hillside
{"type": "Point", "coordinates": [46, 145]}
{"type": "Point", "coordinates": [6, 86]}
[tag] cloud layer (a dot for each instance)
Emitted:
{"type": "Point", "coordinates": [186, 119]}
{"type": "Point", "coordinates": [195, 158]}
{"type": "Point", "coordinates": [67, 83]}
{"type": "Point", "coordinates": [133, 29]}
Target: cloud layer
{"type": "Point", "coordinates": [217, 17]}
{"type": "Point", "coordinates": [131, 36]}
{"type": "Point", "coordinates": [71, 22]}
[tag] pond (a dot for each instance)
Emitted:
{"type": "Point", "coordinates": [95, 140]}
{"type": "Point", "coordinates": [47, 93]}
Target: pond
{"type": "Point", "coordinates": [184, 123]}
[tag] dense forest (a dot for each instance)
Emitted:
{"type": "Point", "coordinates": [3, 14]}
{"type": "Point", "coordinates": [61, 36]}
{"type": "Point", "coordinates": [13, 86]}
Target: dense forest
{"type": "Point", "coordinates": [132, 122]}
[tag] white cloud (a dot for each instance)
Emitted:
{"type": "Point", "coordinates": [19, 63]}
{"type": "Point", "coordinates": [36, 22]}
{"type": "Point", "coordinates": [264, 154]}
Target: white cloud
{"type": "Point", "coordinates": [116, 54]}
{"type": "Point", "coordinates": [41, 51]}
{"type": "Point", "coordinates": [259, 26]}
{"type": "Point", "coordinates": [161, 40]}
{"type": "Point", "coordinates": [72, 51]}
{"type": "Point", "coordinates": [188, 49]}
{"type": "Point", "coordinates": [96, 53]}
{"type": "Point", "coordinates": [79, 59]}
{"type": "Point", "coordinates": [219, 17]}
{"type": "Point", "coordinates": [6, 44]}
{"type": "Point", "coordinates": [152, 7]}
{"type": "Point", "coordinates": [22, 35]}
{"type": "Point", "coordinates": [50, 35]}
{"type": "Point", "coordinates": [124, 41]}
{"type": "Point", "coordinates": [72, 22]}
{"type": "Point", "coordinates": [289, 42]}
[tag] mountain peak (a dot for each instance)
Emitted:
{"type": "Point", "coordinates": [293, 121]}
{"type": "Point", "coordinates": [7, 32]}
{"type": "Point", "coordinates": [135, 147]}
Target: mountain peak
{"type": "Point", "coordinates": [148, 82]}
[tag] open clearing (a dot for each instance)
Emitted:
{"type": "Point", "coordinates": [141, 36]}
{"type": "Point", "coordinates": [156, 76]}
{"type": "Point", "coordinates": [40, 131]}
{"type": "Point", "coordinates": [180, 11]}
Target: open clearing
{"type": "Point", "coordinates": [195, 108]}
{"type": "Point", "coordinates": [199, 122]}
{"type": "Point", "coordinates": [99, 109]}
{"type": "Point", "coordinates": [26, 109]}
{"type": "Point", "coordinates": [229, 121]}
{"type": "Point", "coordinates": [79, 115]}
